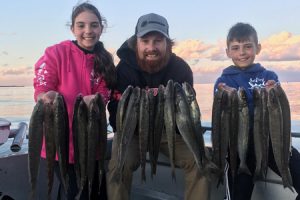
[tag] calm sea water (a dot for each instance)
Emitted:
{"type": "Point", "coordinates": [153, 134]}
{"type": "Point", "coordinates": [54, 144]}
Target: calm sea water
{"type": "Point", "coordinates": [16, 104]}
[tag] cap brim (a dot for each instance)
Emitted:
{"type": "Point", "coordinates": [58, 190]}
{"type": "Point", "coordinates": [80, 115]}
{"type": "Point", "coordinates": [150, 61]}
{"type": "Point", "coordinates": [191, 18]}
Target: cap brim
{"type": "Point", "coordinates": [142, 33]}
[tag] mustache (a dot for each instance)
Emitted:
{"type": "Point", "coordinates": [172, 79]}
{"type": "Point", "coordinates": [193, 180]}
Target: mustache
{"type": "Point", "coordinates": [151, 52]}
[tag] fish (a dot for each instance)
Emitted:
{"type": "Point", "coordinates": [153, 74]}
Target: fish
{"type": "Point", "coordinates": [129, 128]}
{"type": "Point", "coordinates": [50, 144]}
{"type": "Point", "coordinates": [35, 142]}
{"type": "Point", "coordinates": [75, 135]}
{"type": "Point", "coordinates": [243, 134]}
{"type": "Point", "coordinates": [265, 132]}
{"type": "Point", "coordinates": [276, 127]}
{"type": "Point", "coordinates": [257, 132]}
{"type": "Point", "coordinates": [143, 130]}
{"type": "Point", "coordinates": [233, 133]}
{"type": "Point", "coordinates": [82, 117]}
{"type": "Point", "coordinates": [196, 117]}
{"type": "Point", "coordinates": [122, 106]}
{"type": "Point", "coordinates": [216, 134]}
{"type": "Point", "coordinates": [170, 124]}
{"type": "Point", "coordinates": [286, 135]}
{"type": "Point", "coordinates": [158, 125]}
{"type": "Point", "coordinates": [92, 140]}
{"type": "Point", "coordinates": [152, 102]}
{"type": "Point", "coordinates": [102, 144]}
{"type": "Point", "coordinates": [185, 124]}
{"type": "Point", "coordinates": [61, 136]}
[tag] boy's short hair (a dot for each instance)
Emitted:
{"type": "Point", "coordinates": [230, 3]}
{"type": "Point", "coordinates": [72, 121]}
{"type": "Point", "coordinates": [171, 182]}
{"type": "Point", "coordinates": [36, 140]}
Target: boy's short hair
{"type": "Point", "coordinates": [241, 32]}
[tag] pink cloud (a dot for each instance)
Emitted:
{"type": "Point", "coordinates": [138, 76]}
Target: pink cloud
{"type": "Point", "coordinates": [16, 76]}
{"type": "Point", "coordinates": [283, 46]}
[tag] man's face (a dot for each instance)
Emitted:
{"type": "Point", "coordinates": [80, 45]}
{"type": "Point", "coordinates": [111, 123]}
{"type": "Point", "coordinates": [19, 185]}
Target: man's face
{"type": "Point", "coordinates": [152, 51]}
{"type": "Point", "coordinates": [243, 53]}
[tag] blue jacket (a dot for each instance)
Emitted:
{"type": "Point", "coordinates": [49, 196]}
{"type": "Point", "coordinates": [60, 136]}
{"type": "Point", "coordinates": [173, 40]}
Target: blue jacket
{"type": "Point", "coordinates": [253, 76]}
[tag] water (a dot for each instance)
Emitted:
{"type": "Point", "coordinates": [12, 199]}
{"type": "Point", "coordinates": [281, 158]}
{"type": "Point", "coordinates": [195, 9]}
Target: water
{"type": "Point", "coordinates": [16, 104]}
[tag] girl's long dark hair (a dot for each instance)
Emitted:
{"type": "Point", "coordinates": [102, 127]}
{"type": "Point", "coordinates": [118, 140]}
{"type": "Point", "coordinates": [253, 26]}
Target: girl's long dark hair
{"type": "Point", "coordinates": [103, 64]}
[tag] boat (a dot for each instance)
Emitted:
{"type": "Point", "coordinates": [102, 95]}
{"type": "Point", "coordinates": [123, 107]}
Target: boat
{"type": "Point", "coordinates": [14, 182]}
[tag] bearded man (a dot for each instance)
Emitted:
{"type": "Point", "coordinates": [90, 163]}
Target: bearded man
{"type": "Point", "coordinates": [147, 61]}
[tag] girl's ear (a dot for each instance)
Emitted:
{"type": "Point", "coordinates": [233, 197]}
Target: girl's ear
{"type": "Point", "coordinates": [72, 29]}
{"type": "Point", "coordinates": [258, 49]}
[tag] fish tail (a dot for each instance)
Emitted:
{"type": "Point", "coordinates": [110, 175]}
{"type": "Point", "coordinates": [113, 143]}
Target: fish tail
{"type": "Point", "coordinates": [173, 175]}
{"type": "Point", "coordinates": [244, 169]}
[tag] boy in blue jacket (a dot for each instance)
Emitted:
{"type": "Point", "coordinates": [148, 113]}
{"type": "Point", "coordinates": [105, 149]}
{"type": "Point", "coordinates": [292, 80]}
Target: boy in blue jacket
{"type": "Point", "coordinates": [242, 48]}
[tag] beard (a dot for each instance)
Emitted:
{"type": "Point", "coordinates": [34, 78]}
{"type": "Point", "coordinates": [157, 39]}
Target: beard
{"type": "Point", "coordinates": [152, 66]}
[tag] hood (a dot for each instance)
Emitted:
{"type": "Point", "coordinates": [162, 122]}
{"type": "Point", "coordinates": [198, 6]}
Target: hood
{"type": "Point", "coordinates": [254, 68]}
{"type": "Point", "coordinates": [127, 54]}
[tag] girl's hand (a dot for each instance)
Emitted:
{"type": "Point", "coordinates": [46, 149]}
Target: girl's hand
{"type": "Point", "coordinates": [48, 97]}
{"type": "Point", "coordinates": [87, 99]}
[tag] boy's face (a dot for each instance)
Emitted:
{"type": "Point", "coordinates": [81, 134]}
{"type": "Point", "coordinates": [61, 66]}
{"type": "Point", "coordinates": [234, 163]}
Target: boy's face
{"type": "Point", "coordinates": [243, 53]}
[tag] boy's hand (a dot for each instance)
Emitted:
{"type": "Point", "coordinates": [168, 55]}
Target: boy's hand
{"type": "Point", "coordinates": [270, 83]}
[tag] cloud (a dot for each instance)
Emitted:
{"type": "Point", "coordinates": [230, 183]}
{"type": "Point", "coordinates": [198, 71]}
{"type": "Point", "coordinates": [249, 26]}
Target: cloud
{"type": "Point", "coordinates": [280, 53]}
{"type": "Point", "coordinates": [16, 71]}
{"type": "Point", "coordinates": [16, 76]}
{"type": "Point", "coordinates": [7, 34]}
{"type": "Point", "coordinates": [281, 47]}
{"type": "Point", "coordinates": [4, 53]}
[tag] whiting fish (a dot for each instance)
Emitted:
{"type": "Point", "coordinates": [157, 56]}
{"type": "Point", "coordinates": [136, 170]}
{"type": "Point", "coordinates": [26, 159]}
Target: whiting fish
{"type": "Point", "coordinates": [265, 132]}
{"type": "Point", "coordinates": [170, 124]}
{"type": "Point", "coordinates": [158, 125]}
{"type": "Point", "coordinates": [75, 132]}
{"type": "Point", "coordinates": [102, 135]}
{"type": "Point", "coordinates": [286, 135]}
{"type": "Point", "coordinates": [122, 106]}
{"type": "Point", "coordinates": [216, 134]}
{"type": "Point", "coordinates": [129, 128]}
{"type": "Point", "coordinates": [143, 130]}
{"type": "Point", "coordinates": [50, 144]}
{"type": "Point", "coordinates": [243, 135]}
{"type": "Point", "coordinates": [257, 132]}
{"type": "Point", "coordinates": [185, 124]}
{"type": "Point", "coordinates": [35, 134]}
{"type": "Point", "coordinates": [196, 117]}
{"type": "Point", "coordinates": [92, 141]}
{"type": "Point", "coordinates": [61, 136]}
{"type": "Point", "coordinates": [82, 117]}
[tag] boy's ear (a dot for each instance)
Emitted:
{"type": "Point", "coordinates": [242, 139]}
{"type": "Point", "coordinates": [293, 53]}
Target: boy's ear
{"type": "Point", "coordinates": [258, 49]}
{"type": "Point", "coordinates": [227, 53]}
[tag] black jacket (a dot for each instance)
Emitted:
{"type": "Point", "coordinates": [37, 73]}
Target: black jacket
{"type": "Point", "coordinates": [129, 73]}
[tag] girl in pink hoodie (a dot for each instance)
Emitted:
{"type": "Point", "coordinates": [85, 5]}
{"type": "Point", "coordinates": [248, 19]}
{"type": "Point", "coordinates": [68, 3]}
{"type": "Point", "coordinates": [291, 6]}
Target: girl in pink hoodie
{"type": "Point", "coordinates": [71, 68]}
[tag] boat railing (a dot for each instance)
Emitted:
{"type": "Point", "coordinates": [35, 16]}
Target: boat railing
{"type": "Point", "coordinates": [208, 128]}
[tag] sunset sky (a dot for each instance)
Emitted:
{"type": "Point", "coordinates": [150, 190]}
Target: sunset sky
{"type": "Point", "coordinates": [199, 29]}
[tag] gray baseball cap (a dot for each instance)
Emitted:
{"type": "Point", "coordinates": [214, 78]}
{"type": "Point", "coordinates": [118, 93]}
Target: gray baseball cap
{"type": "Point", "coordinates": [152, 22]}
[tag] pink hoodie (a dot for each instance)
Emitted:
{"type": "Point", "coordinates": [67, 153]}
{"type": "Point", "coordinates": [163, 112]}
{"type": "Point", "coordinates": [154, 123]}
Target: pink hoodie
{"type": "Point", "coordinates": [68, 70]}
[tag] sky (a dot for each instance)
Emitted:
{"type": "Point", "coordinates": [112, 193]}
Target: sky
{"type": "Point", "coordinates": [198, 28]}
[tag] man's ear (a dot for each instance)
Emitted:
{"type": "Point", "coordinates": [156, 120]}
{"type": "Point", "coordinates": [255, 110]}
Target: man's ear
{"type": "Point", "coordinates": [258, 49]}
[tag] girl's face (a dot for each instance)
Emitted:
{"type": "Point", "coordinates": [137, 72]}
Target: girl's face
{"type": "Point", "coordinates": [243, 53]}
{"type": "Point", "coordinates": [87, 30]}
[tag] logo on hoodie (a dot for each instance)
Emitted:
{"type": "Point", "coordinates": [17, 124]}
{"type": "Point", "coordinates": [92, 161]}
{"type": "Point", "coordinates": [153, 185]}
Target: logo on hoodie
{"type": "Point", "coordinates": [41, 74]}
{"type": "Point", "coordinates": [256, 82]}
